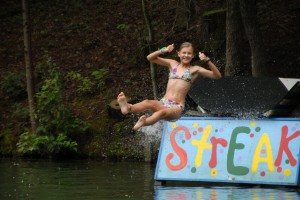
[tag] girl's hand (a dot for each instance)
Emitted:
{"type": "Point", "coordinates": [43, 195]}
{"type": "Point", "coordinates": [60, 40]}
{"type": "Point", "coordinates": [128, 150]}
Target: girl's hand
{"type": "Point", "coordinates": [203, 57]}
{"type": "Point", "coordinates": [169, 48]}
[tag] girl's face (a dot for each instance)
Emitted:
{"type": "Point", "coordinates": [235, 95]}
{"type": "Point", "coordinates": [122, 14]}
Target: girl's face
{"type": "Point", "coordinates": [186, 54]}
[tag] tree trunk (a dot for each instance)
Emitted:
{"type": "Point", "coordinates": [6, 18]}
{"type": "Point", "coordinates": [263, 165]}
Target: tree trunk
{"type": "Point", "coordinates": [258, 56]}
{"type": "Point", "coordinates": [235, 64]}
{"type": "Point", "coordinates": [28, 64]}
{"type": "Point", "coordinates": [150, 40]}
{"type": "Point", "coordinates": [190, 11]}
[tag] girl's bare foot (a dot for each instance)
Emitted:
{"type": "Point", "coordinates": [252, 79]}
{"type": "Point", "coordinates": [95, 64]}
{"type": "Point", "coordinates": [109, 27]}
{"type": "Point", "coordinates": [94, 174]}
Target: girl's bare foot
{"type": "Point", "coordinates": [123, 103]}
{"type": "Point", "coordinates": [140, 123]}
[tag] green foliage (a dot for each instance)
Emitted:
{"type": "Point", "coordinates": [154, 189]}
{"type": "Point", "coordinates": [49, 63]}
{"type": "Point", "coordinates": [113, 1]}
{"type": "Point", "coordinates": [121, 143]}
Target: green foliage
{"type": "Point", "coordinates": [85, 85]}
{"type": "Point", "coordinates": [55, 121]}
{"type": "Point", "coordinates": [123, 27]}
{"type": "Point", "coordinates": [51, 113]}
{"type": "Point", "coordinates": [21, 113]}
{"type": "Point", "coordinates": [6, 142]}
{"type": "Point", "coordinates": [44, 145]}
{"type": "Point", "coordinates": [49, 110]}
{"type": "Point", "coordinates": [14, 85]}
{"type": "Point", "coordinates": [99, 76]}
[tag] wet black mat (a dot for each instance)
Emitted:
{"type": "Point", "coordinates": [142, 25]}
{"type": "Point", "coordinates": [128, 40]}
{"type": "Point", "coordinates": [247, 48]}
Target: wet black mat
{"type": "Point", "coordinates": [237, 95]}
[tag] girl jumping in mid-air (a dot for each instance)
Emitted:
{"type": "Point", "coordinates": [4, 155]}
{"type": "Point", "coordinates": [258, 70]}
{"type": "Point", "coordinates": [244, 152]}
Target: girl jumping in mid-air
{"type": "Point", "coordinates": [181, 77]}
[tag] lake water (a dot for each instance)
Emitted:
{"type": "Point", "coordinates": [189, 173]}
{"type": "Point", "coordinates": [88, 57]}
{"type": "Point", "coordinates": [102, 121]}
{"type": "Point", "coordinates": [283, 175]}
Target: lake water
{"type": "Point", "coordinates": [91, 179]}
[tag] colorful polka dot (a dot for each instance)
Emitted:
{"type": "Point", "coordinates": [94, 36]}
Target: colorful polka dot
{"type": "Point", "coordinates": [213, 172]}
{"type": "Point", "coordinates": [193, 169]}
{"type": "Point", "coordinates": [287, 162]}
{"type": "Point", "coordinates": [195, 125]}
{"type": "Point", "coordinates": [287, 172]}
{"type": "Point", "coordinates": [252, 124]}
{"type": "Point", "coordinates": [183, 141]}
{"type": "Point", "coordinates": [216, 130]}
{"type": "Point", "coordinates": [200, 129]}
{"type": "Point", "coordinates": [279, 169]}
{"type": "Point", "coordinates": [257, 129]}
{"type": "Point", "coordinates": [263, 151]}
{"type": "Point", "coordinates": [174, 125]}
{"type": "Point", "coordinates": [281, 177]}
{"type": "Point", "coordinates": [195, 133]}
{"type": "Point", "coordinates": [251, 135]}
{"type": "Point", "coordinates": [262, 173]}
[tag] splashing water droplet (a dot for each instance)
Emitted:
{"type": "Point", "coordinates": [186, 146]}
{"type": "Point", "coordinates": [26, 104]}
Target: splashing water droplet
{"type": "Point", "coordinates": [153, 132]}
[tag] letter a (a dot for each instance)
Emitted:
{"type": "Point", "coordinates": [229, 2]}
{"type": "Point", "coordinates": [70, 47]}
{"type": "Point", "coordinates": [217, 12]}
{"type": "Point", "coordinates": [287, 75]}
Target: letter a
{"type": "Point", "coordinates": [268, 159]}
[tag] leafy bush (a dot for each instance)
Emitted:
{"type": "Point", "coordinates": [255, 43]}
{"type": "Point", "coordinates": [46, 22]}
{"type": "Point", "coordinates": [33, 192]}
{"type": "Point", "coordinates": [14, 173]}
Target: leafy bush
{"type": "Point", "coordinates": [44, 145]}
{"type": "Point", "coordinates": [99, 76]}
{"type": "Point", "coordinates": [85, 85]}
{"type": "Point", "coordinates": [6, 142]}
{"type": "Point", "coordinates": [55, 121]}
{"type": "Point", "coordinates": [52, 115]}
{"type": "Point", "coordinates": [14, 85]}
{"type": "Point", "coordinates": [21, 113]}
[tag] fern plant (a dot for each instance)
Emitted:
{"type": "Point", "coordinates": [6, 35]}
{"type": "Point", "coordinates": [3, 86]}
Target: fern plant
{"type": "Point", "coordinates": [44, 145]}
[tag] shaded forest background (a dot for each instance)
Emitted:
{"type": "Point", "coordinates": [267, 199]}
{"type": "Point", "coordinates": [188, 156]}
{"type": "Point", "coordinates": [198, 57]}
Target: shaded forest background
{"type": "Point", "coordinates": [99, 48]}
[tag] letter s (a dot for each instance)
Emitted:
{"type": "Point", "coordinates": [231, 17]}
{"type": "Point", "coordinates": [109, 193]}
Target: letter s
{"type": "Point", "coordinates": [179, 151]}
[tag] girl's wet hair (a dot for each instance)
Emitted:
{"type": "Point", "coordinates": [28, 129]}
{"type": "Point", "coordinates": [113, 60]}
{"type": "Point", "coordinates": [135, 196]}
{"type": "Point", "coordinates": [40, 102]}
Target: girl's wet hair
{"type": "Point", "coordinates": [186, 44]}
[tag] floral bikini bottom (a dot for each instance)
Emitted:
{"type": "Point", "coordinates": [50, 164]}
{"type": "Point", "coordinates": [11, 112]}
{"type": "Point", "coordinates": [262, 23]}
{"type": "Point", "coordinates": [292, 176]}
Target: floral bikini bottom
{"type": "Point", "coordinates": [168, 103]}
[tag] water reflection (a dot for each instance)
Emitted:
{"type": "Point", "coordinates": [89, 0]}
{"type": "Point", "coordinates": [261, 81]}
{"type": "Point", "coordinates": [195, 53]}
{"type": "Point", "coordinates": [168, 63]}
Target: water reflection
{"type": "Point", "coordinates": [84, 179]}
{"type": "Point", "coordinates": [76, 180]}
{"type": "Point", "coordinates": [223, 193]}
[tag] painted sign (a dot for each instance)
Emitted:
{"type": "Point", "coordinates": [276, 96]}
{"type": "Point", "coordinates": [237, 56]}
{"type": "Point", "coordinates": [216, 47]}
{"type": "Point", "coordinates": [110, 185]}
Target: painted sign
{"type": "Point", "coordinates": [262, 151]}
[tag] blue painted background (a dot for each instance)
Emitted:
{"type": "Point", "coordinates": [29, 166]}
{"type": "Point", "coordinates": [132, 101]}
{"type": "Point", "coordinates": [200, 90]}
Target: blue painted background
{"type": "Point", "coordinates": [246, 151]}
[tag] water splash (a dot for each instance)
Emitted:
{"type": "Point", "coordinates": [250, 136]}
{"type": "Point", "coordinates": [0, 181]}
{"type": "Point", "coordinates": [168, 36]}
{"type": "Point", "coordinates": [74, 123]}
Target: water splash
{"type": "Point", "coordinates": [153, 132]}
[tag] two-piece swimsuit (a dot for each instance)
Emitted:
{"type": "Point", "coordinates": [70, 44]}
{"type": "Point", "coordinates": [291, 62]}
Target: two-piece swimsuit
{"type": "Point", "coordinates": [173, 75]}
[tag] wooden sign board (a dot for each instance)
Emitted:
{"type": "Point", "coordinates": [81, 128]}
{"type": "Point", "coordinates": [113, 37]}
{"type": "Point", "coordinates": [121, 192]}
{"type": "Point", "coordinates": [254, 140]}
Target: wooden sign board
{"type": "Point", "coordinates": [260, 151]}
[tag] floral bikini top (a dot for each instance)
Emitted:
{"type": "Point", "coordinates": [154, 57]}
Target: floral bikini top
{"type": "Point", "coordinates": [187, 76]}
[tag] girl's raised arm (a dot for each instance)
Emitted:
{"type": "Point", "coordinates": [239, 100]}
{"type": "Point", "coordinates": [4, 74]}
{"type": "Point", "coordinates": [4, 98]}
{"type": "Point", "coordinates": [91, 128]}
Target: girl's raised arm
{"type": "Point", "coordinates": [154, 56]}
{"type": "Point", "coordinates": [214, 73]}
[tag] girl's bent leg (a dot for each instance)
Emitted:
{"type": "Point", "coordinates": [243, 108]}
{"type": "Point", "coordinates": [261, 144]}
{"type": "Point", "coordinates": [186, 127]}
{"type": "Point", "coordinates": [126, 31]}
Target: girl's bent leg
{"type": "Point", "coordinates": [166, 113]}
{"type": "Point", "coordinates": [139, 123]}
{"type": "Point", "coordinates": [152, 105]}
